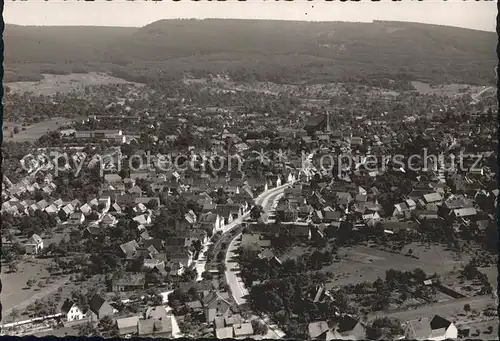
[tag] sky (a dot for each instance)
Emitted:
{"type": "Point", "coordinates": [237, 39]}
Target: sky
{"type": "Point", "coordinates": [479, 15]}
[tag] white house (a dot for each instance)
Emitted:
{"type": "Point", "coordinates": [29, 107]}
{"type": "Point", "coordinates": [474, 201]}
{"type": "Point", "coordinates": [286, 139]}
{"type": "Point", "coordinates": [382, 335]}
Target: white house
{"type": "Point", "coordinates": [76, 218]}
{"type": "Point", "coordinates": [71, 311]}
{"type": "Point", "coordinates": [143, 219]}
{"type": "Point", "coordinates": [442, 329]}
{"type": "Point", "coordinates": [438, 329]}
{"type": "Point", "coordinates": [108, 219]}
{"type": "Point", "coordinates": [34, 245]}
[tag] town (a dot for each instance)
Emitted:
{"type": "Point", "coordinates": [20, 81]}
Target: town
{"type": "Point", "coordinates": [300, 178]}
{"type": "Point", "coordinates": [243, 222]}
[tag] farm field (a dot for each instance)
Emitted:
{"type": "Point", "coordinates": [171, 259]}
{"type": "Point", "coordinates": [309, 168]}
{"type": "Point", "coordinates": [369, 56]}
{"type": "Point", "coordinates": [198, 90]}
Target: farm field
{"type": "Point", "coordinates": [359, 264]}
{"type": "Point", "coordinates": [362, 263]}
{"type": "Point", "coordinates": [451, 309]}
{"type": "Point", "coordinates": [449, 90]}
{"type": "Point", "coordinates": [35, 131]}
{"type": "Point", "coordinates": [52, 84]}
{"type": "Point", "coordinates": [15, 292]}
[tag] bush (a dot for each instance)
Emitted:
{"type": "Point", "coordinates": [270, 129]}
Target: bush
{"type": "Point", "coordinates": [259, 328]}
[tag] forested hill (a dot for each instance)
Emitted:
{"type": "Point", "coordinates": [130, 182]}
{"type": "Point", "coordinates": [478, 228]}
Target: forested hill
{"type": "Point", "coordinates": [259, 49]}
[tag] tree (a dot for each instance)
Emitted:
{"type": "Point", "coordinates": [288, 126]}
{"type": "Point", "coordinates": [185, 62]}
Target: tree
{"type": "Point", "coordinates": [207, 275]}
{"type": "Point", "coordinates": [221, 267]}
{"type": "Point", "coordinates": [385, 328]}
{"type": "Point", "coordinates": [87, 329]}
{"type": "Point", "coordinates": [30, 282]}
{"type": "Point", "coordinates": [467, 307]}
{"type": "Point", "coordinates": [189, 275]}
{"type": "Point", "coordinates": [13, 266]}
{"type": "Point", "coordinates": [14, 314]}
{"type": "Point", "coordinates": [256, 212]}
{"type": "Point", "coordinates": [105, 324]}
{"type": "Point", "coordinates": [152, 204]}
{"type": "Point", "coordinates": [259, 328]}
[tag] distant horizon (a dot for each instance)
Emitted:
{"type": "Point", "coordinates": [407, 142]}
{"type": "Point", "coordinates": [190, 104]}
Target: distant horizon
{"type": "Point", "coordinates": [256, 19]}
{"type": "Point", "coordinates": [480, 16]}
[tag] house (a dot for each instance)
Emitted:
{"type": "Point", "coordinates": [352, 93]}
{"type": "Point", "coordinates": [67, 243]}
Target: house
{"type": "Point", "coordinates": [129, 248]}
{"type": "Point", "coordinates": [465, 212]}
{"type": "Point", "coordinates": [254, 241]}
{"type": "Point", "coordinates": [127, 325]}
{"type": "Point", "coordinates": [161, 328]}
{"type": "Point", "coordinates": [86, 209]}
{"type": "Point", "coordinates": [243, 330]}
{"type": "Point", "coordinates": [109, 220]}
{"type": "Point", "coordinates": [195, 306]}
{"type": "Point", "coordinates": [433, 198]}
{"type": "Point", "coordinates": [189, 220]}
{"type": "Point", "coordinates": [348, 328]}
{"type": "Point", "coordinates": [394, 227]}
{"type": "Point", "coordinates": [286, 212]}
{"type": "Point", "coordinates": [148, 200]}
{"type": "Point", "coordinates": [113, 179]}
{"type": "Point", "coordinates": [135, 192]}
{"type": "Point", "coordinates": [401, 210]}
{"type": "Point", "coordinates": [99, 308]}
{"type": "Point", "coordinates": [143, 219]}
{"type": "Point", "coordinates": [179, 254]}
{"type": "Point", "coordinates": [128, 282]}
{"type": "Point", "coordinates": [233, 320]}
{"type": "Point", "coordinates": [68, 209]}
{"type": "Point", "coordinates": [211, 222]}
{"type": "Point", "coordinates": [214, 305]}
{"type": "Point", "coordinates": [71, 311]}
{"type": "Point", "coordinates": [331, 216]}
{"type": "Point", "coordinates": [197, 234]}
{"type": "Point", "coordinates": [42, 205]}
{"type": "Point", "coordinates": [156, 313]}
{"type": "Point", "coordinates": [344, 198]}
{"type": "Point", "coordinates": [442, 329]}
{"type": "Point", "coordinates": [224, 333]}
{"type": "Point", "coordinates": [34, 245]}
{"type": "Point", "coordinates": [299, 229]}
{"type": "Point", "coordinates": [115, 208]}
{"type": "Point", "coordinates": [319, 331]}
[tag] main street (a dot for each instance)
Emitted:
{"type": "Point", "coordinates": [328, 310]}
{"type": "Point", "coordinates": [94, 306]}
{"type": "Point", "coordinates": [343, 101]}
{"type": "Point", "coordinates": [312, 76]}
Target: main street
{"type": "Point", "coordinates": [238, 290]}
{"type": "Point", "coordinates": [234, 281]}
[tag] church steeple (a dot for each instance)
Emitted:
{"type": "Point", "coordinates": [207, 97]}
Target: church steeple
{"type": "Point", "coordinates": [328, 127]}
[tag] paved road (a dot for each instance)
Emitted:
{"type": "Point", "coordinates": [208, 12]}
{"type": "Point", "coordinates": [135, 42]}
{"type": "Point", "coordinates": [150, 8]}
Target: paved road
{"type": "Point", "coordinates": [237, 288]}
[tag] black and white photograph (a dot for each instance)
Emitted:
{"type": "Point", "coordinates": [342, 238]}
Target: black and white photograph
{"type": "Point", "coordinates": [308, 170]}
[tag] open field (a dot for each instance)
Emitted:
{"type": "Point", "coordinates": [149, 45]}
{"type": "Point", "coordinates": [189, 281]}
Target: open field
{"type": "Point", "coordinates": [35, 131]}
{"type": "Point", "coordinates": [361, 263]}
{"type": "Point", "coordinates": [52, 84]}
{"type": "Point", "coordinates": [449, 90]}
{"type": "Point", "coordinates": [483, 328]}
{"type": "Point", "coordinates": [453, 309]}
{"type": "Point", "coordinates": [16, 294]}
{"type": "Point", "coordinates": [437, 254]}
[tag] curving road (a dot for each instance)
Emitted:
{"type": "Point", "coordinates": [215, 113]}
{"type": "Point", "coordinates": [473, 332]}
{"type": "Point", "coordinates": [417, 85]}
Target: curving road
{"type": "Point", "coordinates": [238, 290]}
